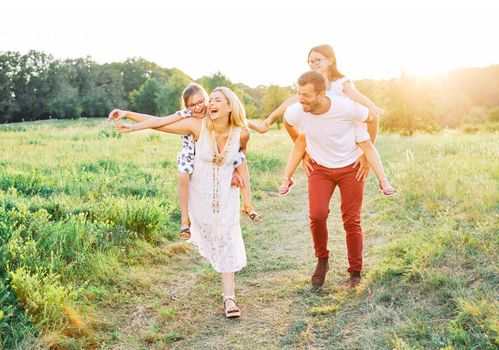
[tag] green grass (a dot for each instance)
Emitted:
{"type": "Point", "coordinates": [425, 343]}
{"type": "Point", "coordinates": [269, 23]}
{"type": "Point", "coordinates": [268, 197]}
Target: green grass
{"type": "Point", "coordinates": [89, 254]}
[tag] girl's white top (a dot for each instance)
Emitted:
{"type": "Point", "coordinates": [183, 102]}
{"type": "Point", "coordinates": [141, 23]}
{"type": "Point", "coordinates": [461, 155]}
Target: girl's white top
{"type": "Point", "coordinates": [361, 133]}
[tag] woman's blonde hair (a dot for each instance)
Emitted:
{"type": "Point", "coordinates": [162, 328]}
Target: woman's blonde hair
{"type": "Point", "coordinates": [237, 116]}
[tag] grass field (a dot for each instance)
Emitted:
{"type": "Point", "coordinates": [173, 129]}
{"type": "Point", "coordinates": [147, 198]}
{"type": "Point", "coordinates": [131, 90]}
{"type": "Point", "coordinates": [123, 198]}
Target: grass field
{"type": "Point", "coordinates": [90, 259]}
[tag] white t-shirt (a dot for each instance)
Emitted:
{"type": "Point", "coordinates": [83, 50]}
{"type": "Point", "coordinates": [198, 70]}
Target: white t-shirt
{"type": "Point", "coordinates": [361, 133]}
{"type": "Point", "coordinates": [330, 136]}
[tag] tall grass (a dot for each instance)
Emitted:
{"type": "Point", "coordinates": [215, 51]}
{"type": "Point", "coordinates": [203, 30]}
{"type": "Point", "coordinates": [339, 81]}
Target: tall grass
{"type": "Point", "coordinates": [79, 203]}
{"type": "Point", "coordinates": [75, 199]}
{"type": "Point", "coordinates": [434, 282]}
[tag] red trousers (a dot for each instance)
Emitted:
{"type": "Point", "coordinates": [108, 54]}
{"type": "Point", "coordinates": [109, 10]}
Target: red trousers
{"type": "Point", "coordinates": [321, 185]}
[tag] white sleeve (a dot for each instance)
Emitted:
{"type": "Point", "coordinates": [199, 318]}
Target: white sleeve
{"type": "Point", "coordinates": [342, 81]}
{"type": "Point", "coordinates": [290, 117]}
{"type": "Point", "coordinates": [358, 112]}
{"type": "Point", "coordinates": [361, 133]}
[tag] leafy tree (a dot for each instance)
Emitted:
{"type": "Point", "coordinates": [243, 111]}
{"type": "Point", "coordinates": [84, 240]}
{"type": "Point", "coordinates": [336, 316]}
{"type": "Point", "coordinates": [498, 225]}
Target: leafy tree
{"type": "Point", "coordinates": [168, 99]}
{"type": "Point", "coordinates": [135, 71]}
{"type": "Point", "coordinates": [9, 63]}
{"type": "Point", "coordinates": [215, 80]}
{"type": "Point", "coordinates": [30, 86]}
{"type": "Point", "coordinates": [273, 97]}
{"type": "Point", "coordinates": [144, 99]}
{"type": "Point", "coordinates": [251, 104]}
{"type": "Point", "coordinates": [241, 90]}
{"type": "Point", "coordinates": [106, 92]}
{"type": "Point", "coordinates": [410, 108]}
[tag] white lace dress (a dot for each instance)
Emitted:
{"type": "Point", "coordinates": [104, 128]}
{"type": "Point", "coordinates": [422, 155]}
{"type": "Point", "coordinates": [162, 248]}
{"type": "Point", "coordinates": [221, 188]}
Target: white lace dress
{"type": "Point", "coordinates": [214, 204]}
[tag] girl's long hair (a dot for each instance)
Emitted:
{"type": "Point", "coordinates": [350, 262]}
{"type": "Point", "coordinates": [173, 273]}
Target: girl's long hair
{"type": "Point", "coordinates": [333, 73]}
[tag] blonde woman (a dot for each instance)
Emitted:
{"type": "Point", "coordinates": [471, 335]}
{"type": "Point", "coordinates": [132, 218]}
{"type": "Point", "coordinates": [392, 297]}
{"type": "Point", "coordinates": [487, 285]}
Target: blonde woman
{"type": "Point", "coordinates": [213, 203]}
{"type": "Point", "coordinates": [194, 104]}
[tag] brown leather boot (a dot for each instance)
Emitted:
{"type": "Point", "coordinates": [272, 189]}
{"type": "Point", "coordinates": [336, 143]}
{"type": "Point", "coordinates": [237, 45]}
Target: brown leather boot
{"type": "Point", "coordinates": [354, 279]}
{"type": "Point", "coordinates": [321, 269]}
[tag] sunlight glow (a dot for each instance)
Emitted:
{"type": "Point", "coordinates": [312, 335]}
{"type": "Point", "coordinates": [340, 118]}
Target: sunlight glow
{"type": "Point", "coordinates": [261, 43]}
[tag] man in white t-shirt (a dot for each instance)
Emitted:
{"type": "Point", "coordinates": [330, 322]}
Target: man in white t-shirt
{"type": "Point", "coordinates": [327, 122]}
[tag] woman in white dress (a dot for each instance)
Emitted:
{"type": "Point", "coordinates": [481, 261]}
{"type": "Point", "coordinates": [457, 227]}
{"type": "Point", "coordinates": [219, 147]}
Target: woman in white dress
{"type": "Point", "coordinates": [213, 203]}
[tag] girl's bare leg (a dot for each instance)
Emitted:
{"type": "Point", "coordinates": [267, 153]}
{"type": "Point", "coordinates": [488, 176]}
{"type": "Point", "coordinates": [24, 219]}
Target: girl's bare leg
{"type": "Point", "coordinates": [183, 194]}
{"type": "Point", "coordinates": [374, 161]}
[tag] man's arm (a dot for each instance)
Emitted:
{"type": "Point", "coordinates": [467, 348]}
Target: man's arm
{"type": "Point", "coordinates": [293, 131]}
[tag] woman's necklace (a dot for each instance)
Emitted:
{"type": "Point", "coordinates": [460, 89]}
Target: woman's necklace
{"type": "Point", "coordinates": [219, 157]}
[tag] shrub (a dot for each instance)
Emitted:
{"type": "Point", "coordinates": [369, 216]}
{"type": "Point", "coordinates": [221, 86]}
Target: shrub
{"type": "Point", "coordinates": [43, 297]}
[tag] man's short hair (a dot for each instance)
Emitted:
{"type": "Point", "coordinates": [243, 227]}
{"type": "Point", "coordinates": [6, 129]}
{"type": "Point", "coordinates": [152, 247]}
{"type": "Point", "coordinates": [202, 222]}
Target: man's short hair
{"type": "Point", "coordinates": [314, 78]}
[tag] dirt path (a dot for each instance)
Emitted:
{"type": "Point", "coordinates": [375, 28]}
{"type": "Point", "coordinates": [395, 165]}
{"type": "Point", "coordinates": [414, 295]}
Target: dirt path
{"type": "Point", "coordinates": [181, 308]}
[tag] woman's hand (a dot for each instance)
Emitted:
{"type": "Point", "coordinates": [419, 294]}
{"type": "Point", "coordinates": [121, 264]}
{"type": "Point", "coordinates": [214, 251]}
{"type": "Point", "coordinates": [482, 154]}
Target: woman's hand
{"type": "Point", "coordinates": [237, 180]}
{"type": "Point", "coordinates": [124, 127]}
{"type": "Point", "coordinates": [115, 115]}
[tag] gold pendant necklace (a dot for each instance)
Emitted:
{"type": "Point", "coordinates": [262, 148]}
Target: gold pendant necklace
{"type": "Point", "coordinates": [218, 158]}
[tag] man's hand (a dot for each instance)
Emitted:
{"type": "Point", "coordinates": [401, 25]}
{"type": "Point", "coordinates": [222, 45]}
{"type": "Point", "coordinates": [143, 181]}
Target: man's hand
{"type": "Point", "coordinates": [237, 180]}
{"type": "Point", "coordinates": [363, 168]}
{"type": "Point", "coordinates": [307, 165]}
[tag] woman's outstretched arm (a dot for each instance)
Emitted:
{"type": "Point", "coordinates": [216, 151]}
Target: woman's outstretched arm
{"type": "Point", "coordinates": [181, 127]}
{"type": "Point", "coordinates": [156, 122]}
{"type": "Point", "coordinates": [117, 114]}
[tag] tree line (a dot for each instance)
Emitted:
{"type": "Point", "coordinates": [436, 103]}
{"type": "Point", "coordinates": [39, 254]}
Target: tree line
{"type": "Point", "coordinates": [37, 86]}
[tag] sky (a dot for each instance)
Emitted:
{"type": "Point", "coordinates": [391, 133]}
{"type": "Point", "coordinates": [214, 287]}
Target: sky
{"type": "Point", "coordinates": [261, 42]}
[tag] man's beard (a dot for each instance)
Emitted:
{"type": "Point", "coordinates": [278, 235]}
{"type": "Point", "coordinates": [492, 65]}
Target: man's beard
{"type": "Point", "coordinates": [312, 107]}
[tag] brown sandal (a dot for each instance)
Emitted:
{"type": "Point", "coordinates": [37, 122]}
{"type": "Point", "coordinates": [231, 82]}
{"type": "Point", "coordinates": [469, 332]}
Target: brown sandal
{"type": "Point", "coordinates": [185, 233]}
{"type": "Point", "coordinates": [231, 311]}
{"type": "Point", "coordinates": [252, 214]}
